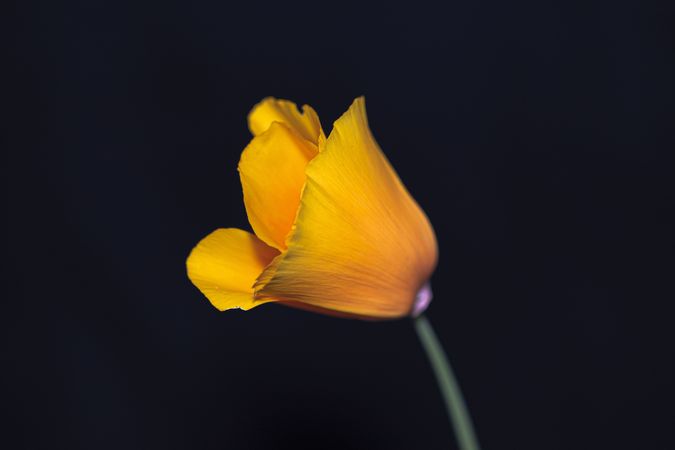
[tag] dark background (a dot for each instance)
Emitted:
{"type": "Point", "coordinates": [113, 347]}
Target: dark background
{"type": "Point", "coordinates": [537, 137]}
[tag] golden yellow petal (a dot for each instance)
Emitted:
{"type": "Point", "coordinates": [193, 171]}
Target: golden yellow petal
{"type": "Point", "coordinates": [271, 110]}
{"type": "Point", "coordinates": [272, 172]}
{"type": "Point", "coordinates": [360, 245]}
{"type": "Point", "coordinates": [224, 266]}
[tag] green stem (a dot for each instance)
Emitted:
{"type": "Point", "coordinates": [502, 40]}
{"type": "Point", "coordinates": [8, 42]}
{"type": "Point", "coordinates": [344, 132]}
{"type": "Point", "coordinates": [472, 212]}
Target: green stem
{"type": "Point", "coordinates": [447, 383]}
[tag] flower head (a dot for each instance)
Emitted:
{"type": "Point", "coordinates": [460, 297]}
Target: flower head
{"type": "Point", "coordinates": [335, 229]}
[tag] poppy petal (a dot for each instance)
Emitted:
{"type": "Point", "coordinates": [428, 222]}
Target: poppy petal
{"type": "Point", "coordinates": [272, 172]}
{"type": "Point", "coordinates": [224, 266]}
{"type": "Point", "coordinates": [271, 110]}
{"type": "Point", "coordinates": [360, 244]}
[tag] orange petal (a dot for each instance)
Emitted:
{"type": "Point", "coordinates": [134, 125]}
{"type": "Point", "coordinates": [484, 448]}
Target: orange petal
{"type": "Point", "coordinates": [272, 172]}
{"type": "Point", "coordinates": [360, 244]}
{"type": "Point", "coordinates": [224, 266]}
{"type": "Point", "coordinates": [271, 110]}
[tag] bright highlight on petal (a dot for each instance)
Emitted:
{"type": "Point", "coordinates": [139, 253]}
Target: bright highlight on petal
{"type": "Point", "coordinates": [360, 244]}
{"type": "Point", "coordinates": [224, 266]}
{"type": "Point", "coordinates": [272, 172]}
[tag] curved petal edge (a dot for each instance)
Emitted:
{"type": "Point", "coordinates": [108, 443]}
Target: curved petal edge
{"type": "Point", "coordinates": [224, 266]}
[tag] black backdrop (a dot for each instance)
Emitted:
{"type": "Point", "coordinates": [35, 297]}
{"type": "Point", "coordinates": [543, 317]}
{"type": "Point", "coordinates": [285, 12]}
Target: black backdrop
{"type": "Point", "coordinates": [537, 137]}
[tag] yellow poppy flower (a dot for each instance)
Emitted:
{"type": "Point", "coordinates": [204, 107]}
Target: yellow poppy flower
{"type": "Point", "coordinates": [335, 229]}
